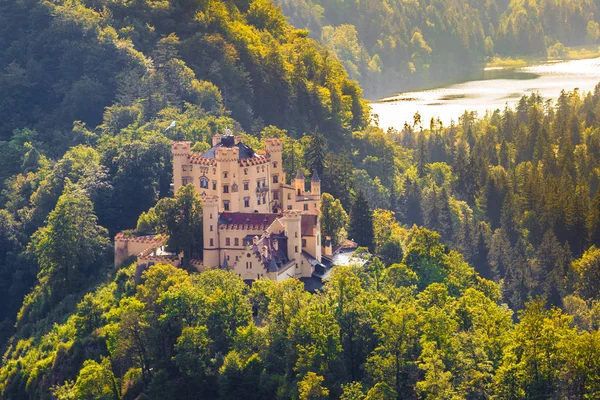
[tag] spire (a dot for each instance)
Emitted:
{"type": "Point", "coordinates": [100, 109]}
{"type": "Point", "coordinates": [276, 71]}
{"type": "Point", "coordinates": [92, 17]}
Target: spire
{"type": "Point", "coordinates": [225, 265]}
{"type": "Point", "coordinates": [300, 174]}
{"type": "Point", "coordinates": [315, 177]}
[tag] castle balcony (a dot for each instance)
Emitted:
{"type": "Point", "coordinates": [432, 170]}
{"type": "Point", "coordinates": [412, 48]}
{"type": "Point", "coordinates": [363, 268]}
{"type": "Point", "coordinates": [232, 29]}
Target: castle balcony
{"type": "Point", "coordinates": [262, 189]}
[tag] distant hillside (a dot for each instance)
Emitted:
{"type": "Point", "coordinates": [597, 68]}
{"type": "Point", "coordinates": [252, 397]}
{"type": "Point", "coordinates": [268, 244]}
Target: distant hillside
{"type": "Point", "coordinates": [395, 45]}
{"type": "Point", "coordinates": [62, 61]}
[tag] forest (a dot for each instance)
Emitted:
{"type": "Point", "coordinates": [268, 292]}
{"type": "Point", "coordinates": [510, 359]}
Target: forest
{"type": "Point", "coordinates": [483, 236]}
{"type": "Point", "coordinates": [393, 46]}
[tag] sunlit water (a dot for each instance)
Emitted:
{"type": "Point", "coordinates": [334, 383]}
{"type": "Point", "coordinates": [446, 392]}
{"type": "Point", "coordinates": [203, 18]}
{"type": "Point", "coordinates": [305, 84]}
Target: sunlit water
{"type": "Point", "coordinates": [491, 89]}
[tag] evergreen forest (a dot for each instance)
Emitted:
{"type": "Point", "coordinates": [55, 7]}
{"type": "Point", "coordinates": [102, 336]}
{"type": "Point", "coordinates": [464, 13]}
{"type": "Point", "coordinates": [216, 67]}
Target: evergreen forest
{"type": "Point", "coordinates": [483, 237]}
{"type": "Point", "coordinates": [393, 46]}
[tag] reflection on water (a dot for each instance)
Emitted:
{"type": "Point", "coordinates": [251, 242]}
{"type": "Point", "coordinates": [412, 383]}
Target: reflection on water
{"type": "Point", "coordinates": [489, 89]}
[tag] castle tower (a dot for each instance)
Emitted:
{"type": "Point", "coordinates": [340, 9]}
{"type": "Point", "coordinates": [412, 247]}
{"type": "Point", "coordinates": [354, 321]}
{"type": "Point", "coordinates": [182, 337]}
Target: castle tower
{"type": "Point", "coordinates": [292, 221]}
{"type": "Point", "coordinates": [274, 149]}
{"type": "Point", "coordinates": [227, 166]}
{"type": "Point", "coordinates": [181, 153]}
{"type": "Point", "coordinates": [210, 214]}
{"type": "Point", "coordinates": [315, 184]}
{"type": "Point", "coordinates": [299, 185]}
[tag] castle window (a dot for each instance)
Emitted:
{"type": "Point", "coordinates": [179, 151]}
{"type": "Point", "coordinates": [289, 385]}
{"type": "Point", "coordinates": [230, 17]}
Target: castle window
{"type": "Point", "coordinates": [289, 207]}
{"type": "Point", "coordinates": [225, 188]}
{"type": "Point", "coordinates": [184, 167]}
{"type": "Point", "coordinates": [245, 171]}
{"type": "Point", "coordinates": [303, 242]}
{"type": "Point", "coordinates": [289, 196]}
{"type": "Point", "coordinates": [226, 205]}
{"type": "Point", "coordinates": [275, 178]}
{"type": "Point", "coordinates": [305, 207]}
{"type": "Point", "coordinates": [263, 168]}
{"type": "Point", "coordinates": [227, 242]}
{"type": "Point", "coordinates": [296, 234]}
{"type": "Point", "coordinates": [212, 241]}
{"type": "Point", "coordinates": [236, 242]}
{"type": "Point", "coordinates": [246, 202]}
{"type": "Point", "coordinates": [274, 164]}
{"type": "Point", "coordinates": [257, 169]}
{"type": "Point", "coordinates": [264, 200]}
{"type": "Point", "coordinates": [275, 195]}
{"type": "Point", "coordinates": [225, 174]}
{"type": "Point", "coordinates": [246, 185]}
{"type": "Point", "coordinates": [296, 249]}
{"type": "Point", "coordinates": [211, 228]}
{"type": "Point", "coordinates": [234, 188]}
{"type": "Point", "coordinates": [204, 183]}
{"type": "Point", "coordinates": [264, 183]}
{"type": "Point", "coordinates": [258, 200]}
{"type": "Point", "coordinates": [214, 185]}
{"type": "Point", "coordinates": [258, 184]}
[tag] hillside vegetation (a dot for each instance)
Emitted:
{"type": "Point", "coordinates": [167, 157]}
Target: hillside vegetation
{"type": "Point", "coordinates": [485, 234]}
{"type": "Point", "coordinates": [392, 46]}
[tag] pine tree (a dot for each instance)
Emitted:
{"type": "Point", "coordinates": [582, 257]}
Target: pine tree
{"type": "Point", "coordinates": [431, 210]}
{"type": "Point", "coordinates": [421, 154]}
{"type": "Point", "coordinates": [361, 222]}
{"type": "Point", "coordinates": [594, 221]}
{"type": "Point", "coordinates": [446, 222]}
{"type": "Point", "coordinates": [316, 153]}
{"type": "Point", "coordinates": [411, 203]}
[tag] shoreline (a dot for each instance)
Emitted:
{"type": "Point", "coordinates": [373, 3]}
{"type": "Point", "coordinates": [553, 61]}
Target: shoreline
{"type": "Point", "coordinates": [572, 54]}
{"type": "Point", "coordinates": [499, 64]}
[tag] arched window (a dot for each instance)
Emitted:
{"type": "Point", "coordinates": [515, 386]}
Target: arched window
{"type": "Point", "coordinates": [234, 188]}
{"type": "Point", "coordinates": [204, 182]}
{"type": "Point", "coordinates": [225, 174]}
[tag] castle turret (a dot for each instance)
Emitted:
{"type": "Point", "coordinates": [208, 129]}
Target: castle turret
{"type": "Point", "coordinates": [315, 184]}
{"type": "Point", "coordinates": [210, 214]}
{"type": "Point", "coordinates": [181, 168]}
{"type": "Point", "coordinates": [274, 150]}
{"type": "Point", "coordinates": [299, 185]}
{"type": "Point", "coordinates": [293, 230]}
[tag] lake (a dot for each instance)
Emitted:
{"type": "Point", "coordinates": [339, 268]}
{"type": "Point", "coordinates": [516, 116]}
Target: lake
{"type": "Point", "coordinates": [492, 88]}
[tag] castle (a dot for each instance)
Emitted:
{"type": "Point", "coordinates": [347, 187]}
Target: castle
{"type": "Point", "coordinates": [253, 222]}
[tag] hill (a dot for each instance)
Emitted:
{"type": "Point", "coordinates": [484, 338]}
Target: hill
{"type": "Point", "coordinates": [392, 46]}
{"type": "Point", "coordinates": [494, 292]}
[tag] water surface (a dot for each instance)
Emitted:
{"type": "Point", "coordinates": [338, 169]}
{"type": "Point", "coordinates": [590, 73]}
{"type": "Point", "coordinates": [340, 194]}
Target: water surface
{"type": "Point", "coordinates": [490, 89]}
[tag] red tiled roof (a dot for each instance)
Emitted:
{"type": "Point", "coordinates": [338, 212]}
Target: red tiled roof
{"type": "Point", "coordinates": [257, 219]}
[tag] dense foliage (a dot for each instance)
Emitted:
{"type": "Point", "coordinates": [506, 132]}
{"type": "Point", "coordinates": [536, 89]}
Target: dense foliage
{"type": "Point", "coordinates": [90, 88]}
{"type": "Point", "coordinates": [396, 45]}
{"type": "Point", "coordinates": [380, 333]}
{"type": "Point", "coordinates": [493, 294]}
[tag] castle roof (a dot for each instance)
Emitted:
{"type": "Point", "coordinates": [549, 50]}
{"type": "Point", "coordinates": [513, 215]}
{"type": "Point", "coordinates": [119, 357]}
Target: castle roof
{"type": "Point", "coordinates": [315, 177]}
{"type": "Point", "coordinates": [228, 141]}
{"type": "Point", "coordinates": [257, 219]}
{"type": "Point", "coordinates": [300, 174]}
{"type": "Point", "coordinates": [309, 222]}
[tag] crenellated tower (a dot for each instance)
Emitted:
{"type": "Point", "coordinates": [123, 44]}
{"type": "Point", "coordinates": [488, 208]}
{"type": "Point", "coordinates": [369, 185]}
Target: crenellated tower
{"type": "Point", "coordinates": [210, 215]}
